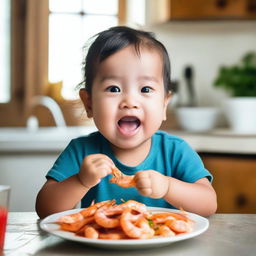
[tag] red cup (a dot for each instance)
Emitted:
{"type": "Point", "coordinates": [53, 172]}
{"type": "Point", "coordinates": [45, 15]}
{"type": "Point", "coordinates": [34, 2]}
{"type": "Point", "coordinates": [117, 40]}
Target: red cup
{"type": "Point", "coordinates": [4, 202]}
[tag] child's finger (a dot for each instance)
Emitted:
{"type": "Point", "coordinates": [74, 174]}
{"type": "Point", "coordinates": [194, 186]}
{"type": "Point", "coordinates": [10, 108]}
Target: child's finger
{"type": "Point", "coordinates": [140, 176]}
{"type": "Point", "coordinates": [143, 182]}
{"type": "Point", "coordinates": [103, 170]}
{"type": "Point", "coordinates": [101, 157]}
{"type": "Point", "coordinates": [145, 191]}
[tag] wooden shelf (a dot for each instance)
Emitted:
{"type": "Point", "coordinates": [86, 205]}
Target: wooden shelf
{"type": "Point", "coordinates": [212, 9]}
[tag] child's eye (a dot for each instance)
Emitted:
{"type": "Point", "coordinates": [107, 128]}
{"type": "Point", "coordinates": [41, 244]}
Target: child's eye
{"type": "Point", "coordinates": [146, 89]}
{"type": "Point", "coordinates": [113, 88]}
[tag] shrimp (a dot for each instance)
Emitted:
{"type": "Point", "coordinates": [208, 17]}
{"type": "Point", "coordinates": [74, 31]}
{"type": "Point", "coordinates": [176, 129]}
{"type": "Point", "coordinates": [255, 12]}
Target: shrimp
{"type": "Point", "coordinates": [163, 230]}
{"type": "Point", "coordinates": [115, 234]}
{"type": "Point", "coordinates": [177, 222]}
{"type": "Point", "coordinates": [134, 205]}
{"type": "Point", "coordinates": [91, 232]}
{"type": "Point", "coordinates": [117, 173]}
{"type": "Point", "coordinates": [122, 180]}
{"type": "Point", "coordinates": [179, 226]}
{"type": "Point", "coordinates": [89, 211]}
{"type": "Point", "coordinates": [135, 226]}
{"type": "Point", "coordinates": [79, 216]}
{"type": "Point", "coordinates": [107, 217]}
{"type": "Point", "coordinates": [87, 221]}
{"type": "Point", "coordinates": [75, 221]}
{"type": "Point", "coordinates": [129, 220]}
{"type": "Point", "coordinates": [164, 216]}
{"type": "Point", "coordinates": [71, 218]}
{"type": "Point", "coordinates": [126, 181]}
{"type": "Point", "coordinates": [74, 227]}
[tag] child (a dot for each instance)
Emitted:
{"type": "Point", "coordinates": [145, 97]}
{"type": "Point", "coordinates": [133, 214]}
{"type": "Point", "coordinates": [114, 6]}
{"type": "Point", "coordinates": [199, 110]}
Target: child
{"type": "Point", "coordinates": [126, 91]}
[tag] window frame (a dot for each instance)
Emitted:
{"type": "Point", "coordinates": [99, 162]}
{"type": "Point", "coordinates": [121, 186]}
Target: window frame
{"type": "Point", "coordinates": [29, 58]}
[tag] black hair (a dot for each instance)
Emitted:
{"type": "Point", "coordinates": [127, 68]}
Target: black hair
{"type": "Point", "coordinates": [114, 39]}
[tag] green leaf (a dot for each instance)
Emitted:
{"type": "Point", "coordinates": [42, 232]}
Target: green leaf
{"type": "Point", "coordinates": [239, 79]}
{"type": "Point", "coordinates": [151, 223]}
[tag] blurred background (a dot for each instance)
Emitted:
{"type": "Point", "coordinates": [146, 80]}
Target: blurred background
{"type": "Point", "coordinates": [211, 43]}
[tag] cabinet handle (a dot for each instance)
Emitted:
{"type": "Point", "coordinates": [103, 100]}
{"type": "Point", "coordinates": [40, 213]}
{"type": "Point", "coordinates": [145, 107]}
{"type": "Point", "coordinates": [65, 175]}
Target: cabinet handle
{"type": "Point", "coordinates": [241, 200]}
{"type": "Point", "coordinates": [221, 4]}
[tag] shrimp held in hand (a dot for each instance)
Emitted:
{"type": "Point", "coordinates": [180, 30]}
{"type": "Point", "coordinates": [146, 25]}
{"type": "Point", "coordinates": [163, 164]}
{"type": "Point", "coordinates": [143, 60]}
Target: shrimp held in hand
{"type": "Point", "coordinates": [122, 180]}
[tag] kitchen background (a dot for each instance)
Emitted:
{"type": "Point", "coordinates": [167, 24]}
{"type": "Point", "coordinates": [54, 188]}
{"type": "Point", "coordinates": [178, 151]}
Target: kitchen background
{"type": "Point", "coordinates": [200, 37]}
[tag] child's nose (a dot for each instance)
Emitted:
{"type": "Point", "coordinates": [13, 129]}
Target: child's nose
{"type": "Point", "coordinates": [129, 101]}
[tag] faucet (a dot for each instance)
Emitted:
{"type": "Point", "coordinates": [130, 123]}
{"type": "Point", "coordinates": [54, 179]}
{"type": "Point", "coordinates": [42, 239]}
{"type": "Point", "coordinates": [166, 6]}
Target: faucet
{"type": "Point", "coordinates": [52, 105]}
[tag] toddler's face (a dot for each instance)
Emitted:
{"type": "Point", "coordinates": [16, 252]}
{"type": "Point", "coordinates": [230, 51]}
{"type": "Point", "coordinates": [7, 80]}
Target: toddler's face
{"type": "Point", "coordinates": [128, 102]}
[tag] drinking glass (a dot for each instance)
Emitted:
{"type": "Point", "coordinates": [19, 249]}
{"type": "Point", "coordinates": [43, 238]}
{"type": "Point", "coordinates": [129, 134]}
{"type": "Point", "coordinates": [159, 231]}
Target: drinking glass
{"type": "Point", "coordinates": [4, 203]}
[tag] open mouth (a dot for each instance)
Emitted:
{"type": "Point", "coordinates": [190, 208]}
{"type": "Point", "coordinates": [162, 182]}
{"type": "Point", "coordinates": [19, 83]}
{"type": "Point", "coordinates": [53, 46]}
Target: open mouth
{"type": "Point", "coordinates": [128, 124]}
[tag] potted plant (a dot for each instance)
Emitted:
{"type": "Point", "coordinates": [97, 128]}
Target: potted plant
{"type": "Point", "coordinates": [240, 81]}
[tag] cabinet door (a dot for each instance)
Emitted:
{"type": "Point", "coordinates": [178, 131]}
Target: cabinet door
{"type": "Point", "coordinates": [212, 9]}
{"type": "Point", "coordinates": [234, 179]}
{"type": "Point", "coordinates": [25, 173]}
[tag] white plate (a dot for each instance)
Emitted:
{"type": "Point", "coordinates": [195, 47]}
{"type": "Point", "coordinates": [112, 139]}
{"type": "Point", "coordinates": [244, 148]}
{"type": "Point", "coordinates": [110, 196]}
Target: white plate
{"type": "Point", "coordinates": [201, 224]}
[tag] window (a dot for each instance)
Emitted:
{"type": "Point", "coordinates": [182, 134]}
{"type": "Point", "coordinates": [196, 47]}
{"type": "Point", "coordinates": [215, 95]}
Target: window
{"type": "Point", "coordinates": [5, 51]}
{"type": "Point", "coordinates": [71, 24]}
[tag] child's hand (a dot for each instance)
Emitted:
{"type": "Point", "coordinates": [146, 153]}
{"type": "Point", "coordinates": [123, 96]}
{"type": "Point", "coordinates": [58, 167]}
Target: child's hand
{"type": "Point", "coordinates": [94, 167]}
{"type": "Point", "coordinates": [151, 183]}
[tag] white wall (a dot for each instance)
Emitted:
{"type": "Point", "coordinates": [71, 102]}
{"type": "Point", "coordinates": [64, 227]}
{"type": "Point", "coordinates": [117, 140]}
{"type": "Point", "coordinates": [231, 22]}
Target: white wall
{"type": "Point", "coordinates": [206, 46]}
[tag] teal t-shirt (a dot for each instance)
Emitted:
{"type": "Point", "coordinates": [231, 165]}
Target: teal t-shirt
{"type": "Point", "coordinates": [169, 155]}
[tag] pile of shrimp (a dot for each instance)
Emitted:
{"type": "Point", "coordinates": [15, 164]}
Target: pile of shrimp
{"type": "Point", "coordinates": [128, 220]}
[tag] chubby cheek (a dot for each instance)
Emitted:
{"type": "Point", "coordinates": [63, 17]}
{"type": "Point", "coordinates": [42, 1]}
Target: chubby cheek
{"type": "Point", "coordinates": [155, 116]}
{"type": "Point", "coordinates": [153, 121]}
{"type": "Point", "coordinates": [103, 116]}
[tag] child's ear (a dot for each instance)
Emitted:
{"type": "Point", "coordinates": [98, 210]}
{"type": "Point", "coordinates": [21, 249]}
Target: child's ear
{"type": "Point", "coordinates": [87, 101]}
{"type": "Point", "coordinates": [166, 102]}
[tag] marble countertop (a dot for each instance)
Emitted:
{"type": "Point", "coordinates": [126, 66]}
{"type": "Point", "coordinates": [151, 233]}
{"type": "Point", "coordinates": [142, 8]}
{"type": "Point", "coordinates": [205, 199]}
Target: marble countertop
{"type": "Point", "coordinates": [219, 141]}
{"type": "Point", "coordinates": [55, 140]}
{"type": "Point", "coordinates": [228, 234]}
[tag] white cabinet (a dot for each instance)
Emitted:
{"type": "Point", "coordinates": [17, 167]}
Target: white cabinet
{"type": "Point", "coordinates": [25, 173]}
{"type": "Point", "coordinates": [25, 158]}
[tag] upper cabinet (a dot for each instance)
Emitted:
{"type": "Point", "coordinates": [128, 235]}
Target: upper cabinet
{"type": "Point", "coordinates": [148, 12]}
{"type": "Point", "coordinates": [212, 9]}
